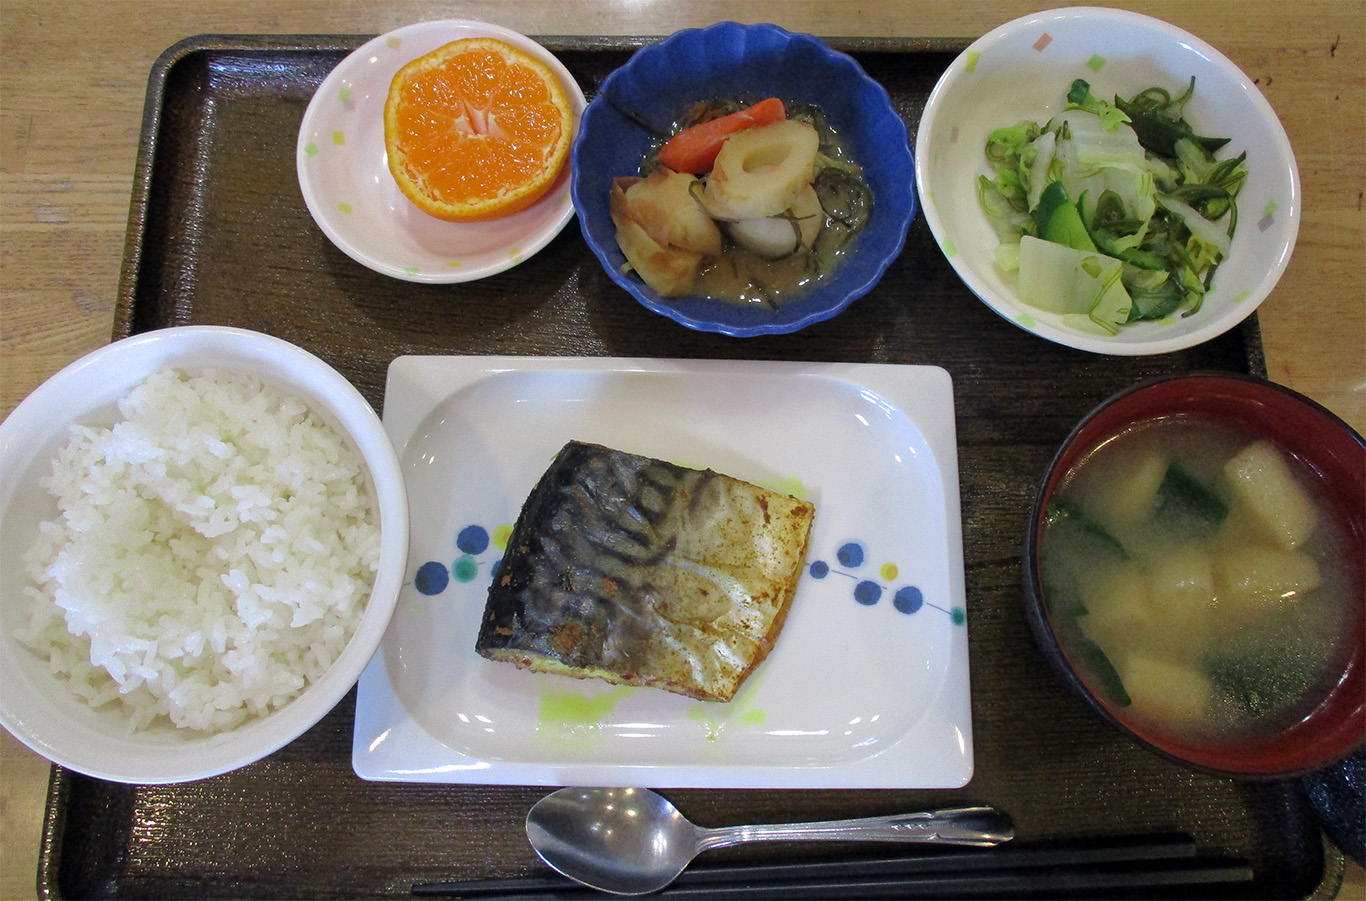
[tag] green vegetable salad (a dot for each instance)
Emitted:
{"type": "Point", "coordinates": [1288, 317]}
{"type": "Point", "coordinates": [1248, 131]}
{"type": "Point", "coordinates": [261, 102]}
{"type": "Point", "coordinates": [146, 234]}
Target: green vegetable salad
{"type": "Point", "coordinates": [1112, 213]}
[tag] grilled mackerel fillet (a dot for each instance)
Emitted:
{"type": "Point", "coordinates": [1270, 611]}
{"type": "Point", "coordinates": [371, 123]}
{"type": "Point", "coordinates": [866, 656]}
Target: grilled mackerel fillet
{"type": "Point", "coordinates": [636, 571]}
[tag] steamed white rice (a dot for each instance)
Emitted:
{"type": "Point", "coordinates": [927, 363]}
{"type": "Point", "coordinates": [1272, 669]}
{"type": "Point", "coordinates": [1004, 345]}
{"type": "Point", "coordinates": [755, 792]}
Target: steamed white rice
{"type": "Point", "coordinates": [214, 551]}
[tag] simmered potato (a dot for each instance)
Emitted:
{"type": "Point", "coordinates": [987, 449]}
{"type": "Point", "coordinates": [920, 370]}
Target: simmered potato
{"type": "Point", "coordinates": [663, 204]}
{"type": "Point", "coordinates": [1123, 620]}
{"type": "Point", "coordinates": [1182, 590]}
{"type": "Point", "coordinates": [1253, 577]}
{"type": "Point", "coordinates": [1118, 616]}
{"type": "Point", "coordinates": [1121, 504]}
{"type": "Point", "coordinates": [777, 236]}
{"type": "Point", "coordinates": [669, 270]}
{"type": "Point", "coordinates": [1162, 691]}
{"type": "Point", "coordinates": [1263, 484]}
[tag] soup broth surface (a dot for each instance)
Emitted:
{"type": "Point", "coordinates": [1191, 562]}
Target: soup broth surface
{"type": "Point", "coordinates": [1198, 583]}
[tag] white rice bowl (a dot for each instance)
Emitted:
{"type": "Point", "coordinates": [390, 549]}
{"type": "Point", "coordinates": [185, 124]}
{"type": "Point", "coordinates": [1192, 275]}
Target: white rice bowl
{"type": "Point", "coordinates": [278, 522]}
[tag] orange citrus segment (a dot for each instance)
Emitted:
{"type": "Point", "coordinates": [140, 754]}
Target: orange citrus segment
{"type": "Point", "coordinates": [476, 129]}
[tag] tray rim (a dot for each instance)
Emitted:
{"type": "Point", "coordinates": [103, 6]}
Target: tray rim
{"type": "Point", "coordinates": [61, 782]}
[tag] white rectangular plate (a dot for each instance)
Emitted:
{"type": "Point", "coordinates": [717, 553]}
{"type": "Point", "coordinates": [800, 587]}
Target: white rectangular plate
{"type": "Point", "coordinates": [867, 686]}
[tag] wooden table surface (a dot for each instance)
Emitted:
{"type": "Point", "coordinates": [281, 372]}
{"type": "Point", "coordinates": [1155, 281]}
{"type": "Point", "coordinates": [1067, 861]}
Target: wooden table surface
{"type": "Point", "coordinates": [72, 82]}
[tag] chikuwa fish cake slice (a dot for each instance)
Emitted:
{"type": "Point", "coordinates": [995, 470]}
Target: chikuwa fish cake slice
{"type": "Point", "coordinates": [640, 572]}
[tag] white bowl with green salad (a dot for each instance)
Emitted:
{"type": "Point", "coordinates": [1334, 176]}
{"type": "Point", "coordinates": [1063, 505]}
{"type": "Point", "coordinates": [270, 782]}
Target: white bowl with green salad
{"type": "Point", "coordinates": [1108, 181]}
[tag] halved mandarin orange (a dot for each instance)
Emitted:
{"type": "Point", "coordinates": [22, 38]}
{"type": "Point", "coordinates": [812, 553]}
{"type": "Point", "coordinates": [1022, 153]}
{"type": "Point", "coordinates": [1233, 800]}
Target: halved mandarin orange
{"type": "Point", "coordinates": [476, 130]}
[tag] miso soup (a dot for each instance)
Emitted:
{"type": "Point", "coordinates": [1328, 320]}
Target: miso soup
{"type": "Point", "coordinates": [1200, 578]}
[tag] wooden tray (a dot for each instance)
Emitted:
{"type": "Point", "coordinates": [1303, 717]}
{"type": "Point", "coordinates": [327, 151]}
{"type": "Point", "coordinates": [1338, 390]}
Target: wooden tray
{"type": "Point", "coordinates": [218, 233]}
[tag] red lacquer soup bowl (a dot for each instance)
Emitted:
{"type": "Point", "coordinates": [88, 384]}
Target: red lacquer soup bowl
{"type": "Point", "coordinates": [1328, 722]}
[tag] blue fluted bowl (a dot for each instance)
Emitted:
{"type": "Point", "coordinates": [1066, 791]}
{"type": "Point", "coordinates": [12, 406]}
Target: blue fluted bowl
{"type": "Point", "coordinates": [662, 80]}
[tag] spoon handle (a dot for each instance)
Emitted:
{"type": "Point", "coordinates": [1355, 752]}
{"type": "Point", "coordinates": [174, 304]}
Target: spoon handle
{"type": "Point", "coordinates": [977, 826]}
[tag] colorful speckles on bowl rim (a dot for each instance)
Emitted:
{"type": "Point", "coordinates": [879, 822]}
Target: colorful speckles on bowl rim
{"type": "Point", "coordinates": [345, 180]}
{"type": "Point", "coordinates": [868, 683]}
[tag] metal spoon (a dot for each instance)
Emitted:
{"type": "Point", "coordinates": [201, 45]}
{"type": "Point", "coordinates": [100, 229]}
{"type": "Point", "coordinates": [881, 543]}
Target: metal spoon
{"type": "Point", "coordinates": [631, 841]}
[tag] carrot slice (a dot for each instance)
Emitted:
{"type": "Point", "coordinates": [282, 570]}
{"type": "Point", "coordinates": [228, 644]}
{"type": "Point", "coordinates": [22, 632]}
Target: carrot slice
{"type": "Point", "coordinates": [694, 149]}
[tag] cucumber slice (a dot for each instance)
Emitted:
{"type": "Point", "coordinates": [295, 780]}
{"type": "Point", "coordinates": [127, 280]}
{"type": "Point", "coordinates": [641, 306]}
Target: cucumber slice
{"type": "Point", "coordinates": [1059, 221]}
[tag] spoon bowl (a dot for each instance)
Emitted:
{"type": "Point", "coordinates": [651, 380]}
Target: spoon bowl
{"type": "Point", "coordinates": [632, 841]}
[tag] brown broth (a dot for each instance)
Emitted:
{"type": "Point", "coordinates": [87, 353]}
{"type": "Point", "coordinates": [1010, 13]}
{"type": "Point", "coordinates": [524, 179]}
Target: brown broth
{"type": "Point", "coordinates": [741, 276]}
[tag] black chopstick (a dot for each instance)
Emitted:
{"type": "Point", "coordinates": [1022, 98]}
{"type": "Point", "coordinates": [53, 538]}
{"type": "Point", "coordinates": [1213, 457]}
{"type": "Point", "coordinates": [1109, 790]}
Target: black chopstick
{"type": "Point", "coordinates": [1137, 879]}
{"type": "Point", "coordinates": [1114, 864]}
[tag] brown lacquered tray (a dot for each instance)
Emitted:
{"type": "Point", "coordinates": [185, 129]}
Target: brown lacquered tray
{"type": "Point", "coordinates": [219, 234]}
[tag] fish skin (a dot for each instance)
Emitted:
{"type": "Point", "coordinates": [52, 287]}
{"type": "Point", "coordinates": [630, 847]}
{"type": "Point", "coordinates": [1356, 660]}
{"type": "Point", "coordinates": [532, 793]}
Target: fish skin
{"type": "Point", "coordinates": [641, 572]}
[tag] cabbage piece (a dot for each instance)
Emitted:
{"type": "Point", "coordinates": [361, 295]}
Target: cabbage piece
{"type": "Point", "coordinates": [1008, 219]}
{"type": "Point", "coordinates": [1085, 287]}
{"type": "Point", "coordinates": [1005, 198]}
{"type": "Point", "coordinates": [1092, 160]}
{"type": "Point", "coordinates": [1039, 158]}
{"type": "Point", "coordinates": [1115, 231]}
{"type": "Point", "coordinates": [1201, 229]}
{"type": "Point", "coordinates": [1007, 256]}
{"type": "Point", "coordinates": [1079, 96]}
{"type": "Point", "coordinates": [1154, 293]}
{"type": "Point", "coordinates": [1006, 144]}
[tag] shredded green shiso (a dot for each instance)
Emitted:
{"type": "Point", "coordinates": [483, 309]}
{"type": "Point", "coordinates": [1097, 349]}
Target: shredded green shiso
{"type": "Point", "coordinates": [1112, 213]}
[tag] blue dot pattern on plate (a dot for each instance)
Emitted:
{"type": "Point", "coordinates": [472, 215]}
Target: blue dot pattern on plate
{"type": "Point", "coordinates": [473, 542]}
{"type": "Point", "coordinates": [869, 592]}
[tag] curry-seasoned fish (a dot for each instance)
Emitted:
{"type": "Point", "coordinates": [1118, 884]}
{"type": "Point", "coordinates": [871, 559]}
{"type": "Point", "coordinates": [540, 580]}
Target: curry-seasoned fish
{"type": "Point", "coordinates": [640, 572]}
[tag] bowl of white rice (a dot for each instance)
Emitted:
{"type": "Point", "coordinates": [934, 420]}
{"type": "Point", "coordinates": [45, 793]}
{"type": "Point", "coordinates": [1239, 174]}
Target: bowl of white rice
{"type": "Point", "coordinates": [203, 531]}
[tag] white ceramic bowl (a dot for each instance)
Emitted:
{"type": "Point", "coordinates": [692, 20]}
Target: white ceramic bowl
{"type": "Point", "coordinates": [1022, 70]}
{"type": "Point", "coordinates": [40, 710]}
{"type": "Point", "coordinates": [344, 173]}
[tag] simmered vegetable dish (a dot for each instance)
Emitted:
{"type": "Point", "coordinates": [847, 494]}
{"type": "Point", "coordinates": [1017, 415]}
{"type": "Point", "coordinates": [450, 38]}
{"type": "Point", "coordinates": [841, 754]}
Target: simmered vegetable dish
{"type": "Point", "coordinates": [747, 203]}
